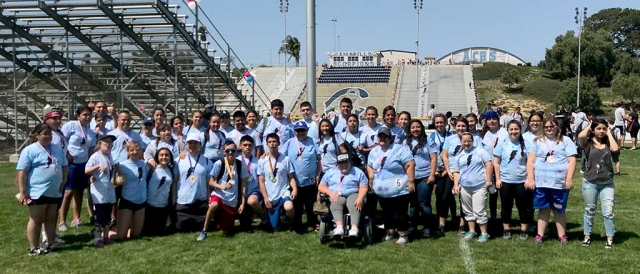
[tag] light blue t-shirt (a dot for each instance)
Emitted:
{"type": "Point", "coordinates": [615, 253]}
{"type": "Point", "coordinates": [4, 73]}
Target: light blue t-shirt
{"type": "Point", "coordinates": [439, 140]}
{"type": "Point", "coordinates": [146, 140]}
{"type": "Point", "coordinates": [453, 146]}
{"type": "Point", "coordinates": [214, 148]}
{"type": "Point", "coordinates": [135, 178]}
{"type": "Point", "coordinates": [101, 190]}
{"type": "Point", "coordinates": [346, 184]}
{"type": "Point", "coordinates": [227, 129]}
{"type": "Point", "coordinates": [492, 139]}
{"type": "Point", "coordinates": [397, 133]}
{"type": "Point", "coordinates": [282, 168]}
{"type": "Point", "coordinates": [175, 147]}
{"type": "Point", "coordinates": [57, 139]}
{"type": "Point", "coordinates": [189, 129]}
{"type": "Point", "coordinates": [80, 140]}
{"type": "Point", "coordinates": [327, 150]}
{"type": "Point", "coordinates": [159, 186]}
{"type": "Point", "coordinates": [528, 136]}
{"type": "Point", "coordinates": [236, 135]}
{"type": "Point", "coordinates": [422, 157]}
{"type": "Point", "coordinates": [390, 179]}
{"type": "Point", "coordinates": [283, 128]}
{"type": "Point", "coordinates": [251, 165]}
{"type": "Point", "coordinates": [304, 155]}
{"type": "Point", "coordinates": [355, 140]}
{"type": "Point", "coordinates": [552, 172]}
{"type": "Point", "coordinates": [193, 188]}
{"type": "Point", "coordinates": [108, 125]}
{"type": "Point", "coordinates": [118, 151]}
{"type": "Point", "coordinates": [340, 124]}
{"type": "Point", "coordinates": [312, 131]}
{"type": "Point", "coordinates": [229, 196]}
{"type": "Point", "coordinates": [513, 165]}
{"type": "Point", "coordinates": [43, 178]}
{"type": "Point", "coordinates": [370, 135]}
{"type": "Point", "coordinates": [471, 165]}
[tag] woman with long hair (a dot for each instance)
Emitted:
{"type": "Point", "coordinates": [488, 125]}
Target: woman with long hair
{"type": "Point", "coordinates": [534, 126]}
{"type": "Point", "coordinates": [328, 146]}
{"type": "Point", "coordinates": [195, 125]}
{"type": "Point", "coordinates": [354, 137]}
{"type": "Point", "coordinates": [403, 121]}
{"type": "Point", "coordinates": [389, 117]}
{"type": "Point", "coordinates": [444, 185]}
{"type": "Point", "coordinates": [164, 140]}
{"type": "Point", "coordinates": [132, 174]}
{"type": "Point", "coordinates": [370, 129]}
{"type": "Point", "coordinates": [510, 166]}
{"type": "Point", "coordinates": [161, 179]}
{"type": "Point", "coordinates": [177, 126]}
{"type": "Point", "coordinates": [492, 135]}
{"type": "Point", "coordinates": [424, 153]}
{"type": "Point", "coordinates": [252, 119]}
{"type": "Point", "coordinates": [599, 146]}
{"type": "Point", "coordinates": [550, 171]}
{"type": "Point", "coordinates": [472, 119]}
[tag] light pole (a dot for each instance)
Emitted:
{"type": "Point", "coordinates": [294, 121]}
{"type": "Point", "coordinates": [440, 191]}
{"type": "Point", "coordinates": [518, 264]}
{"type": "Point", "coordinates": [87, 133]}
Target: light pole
{"type": "Point", "coordinates": [580, 23]}
{"type": "Point", "coordinates": [284, 9]}
{"type": "Point", "coordinates": [339, 36]}
{"type": "Point", "coordinates": [417, 5]}
{"type": "Point", "coordinates": [335, 21]}
{"type": "Point", "coordinates": [270, 56]}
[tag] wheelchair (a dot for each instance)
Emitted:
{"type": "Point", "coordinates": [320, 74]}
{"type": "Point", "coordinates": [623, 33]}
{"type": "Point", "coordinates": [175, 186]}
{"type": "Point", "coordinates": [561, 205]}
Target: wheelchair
{"type": "Point", "coordinates": [327, 224]}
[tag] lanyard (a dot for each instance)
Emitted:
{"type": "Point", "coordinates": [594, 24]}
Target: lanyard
{"type": "Point", "coordinates": [271, 166]}
{"type": "Point", "coordinates": [192, 168]}
{"type": "Point", "coordinates": [441, 140]}
{"type": "Point", "coordinates": [300, 150]}
{"type": "Point", "coordinates": [230, 171]}
{"type": "Point", "coordinates": [110, 163]}
{"type": "Point", "coordinates": [84, 136]}
{"type": "Point", "coordinates": [381, 156]}
{"type": "Point", "coordinates": [45, 151]}
{"type": "Point", "coordinates": [494, 139]}
{"type": "Point", "coordinates": [550, 151]}
{"type": "Point", "coordinates": [248, 163]}
{"type": "Point", "coordinates": [341, 181]}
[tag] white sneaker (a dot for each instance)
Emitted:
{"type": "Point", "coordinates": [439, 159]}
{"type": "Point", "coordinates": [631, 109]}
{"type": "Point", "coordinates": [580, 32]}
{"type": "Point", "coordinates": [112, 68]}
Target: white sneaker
{"type": "Point", "coordinates": [388, 237]}
{"type": "Point", "coordinates": [402, 240]}
{"type": "Point", "coordinates": [353, 232]}
{"type": "Point", "coordinates": [338, 231]}
{"type": "Point", "coordinates": [63, 227]}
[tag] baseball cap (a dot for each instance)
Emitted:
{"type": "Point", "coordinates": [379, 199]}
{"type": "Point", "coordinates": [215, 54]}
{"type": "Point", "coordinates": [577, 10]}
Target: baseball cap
{"type": "Point", "coordinates": [52, 113]}
{"type": "Point", "coordinates": [343, 157]}
{"type": "Point", "coordinates": [499, 109]}
{"type": "Point", "coordinates": [385, 131]}
{"type": "Point", "coordinates": [107, 138]}
{"type": "Point", "coordinates": [208, 106]}
{"type": "Point", "coordinates": [193, 137]}
{"type": "Point", "coordinates": [224, 113]}
{"type": "Point", "coordinates": [300, 125]}
{"type": "Point", "coordinates": [148, 120]}
{"type": "Point", "coordinates": [491, 115]}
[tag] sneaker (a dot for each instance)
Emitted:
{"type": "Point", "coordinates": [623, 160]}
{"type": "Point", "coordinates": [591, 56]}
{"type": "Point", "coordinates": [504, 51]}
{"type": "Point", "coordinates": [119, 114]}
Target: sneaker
{"type": "Point", "coordinates": [470, 235]}
{"type": "Point", "coordinates": [506, 235]}
{"type": "Point", "coordinates": [402, 240]}
{"type": "Point", "coordinates": [586, 241]}
{"type": "Point", "coordinates": [564, 240]}
{"type": "Point", "coordinates": [58, 240]}
{"type": "Point", "coordinates": [484, 238]}
{"type": "Point", "coordinates": [76, 223]}
{"type": "Point", "coordinates": [387, 237]}
{"type": "Point", "coordinates": [426, 233]}
{"type": "Point", "coordinates": [353, 232]}
{"type": "Point", "coordinates": [202, 236]}
{"type": "Point", "coordinates": [609, 244]}
{"type": "Point", "coordinates": [63, 227]}
{"type": "Point", "coordinates": [440, 231]}
{"type": "Point", "coordinates": [524, 236]}
{"type": "Point", "coordinates": [34, 252]}
{"type": "Point", "coordinates": [461, 230]}
{"type": "Point", "coordinates": [338, 231]}
{"type": "Point", "coordinates": [47, 249]}
{"type": "Point", "coordinates": [99, 244]}
{"type": "Point", "coordinates": [538, 239]}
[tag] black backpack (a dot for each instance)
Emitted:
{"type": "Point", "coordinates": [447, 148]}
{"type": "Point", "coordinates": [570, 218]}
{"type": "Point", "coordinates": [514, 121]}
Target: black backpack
{"type": "Point", "coordinates": [353, 154]}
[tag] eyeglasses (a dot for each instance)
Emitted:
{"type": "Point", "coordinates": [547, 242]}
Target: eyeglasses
{"type": "Point", "coordinates": [534, 121]}
{"type": "Point", "coordinates": [301, 130]}
{"type": "Point", "coordinates": [233, 150]}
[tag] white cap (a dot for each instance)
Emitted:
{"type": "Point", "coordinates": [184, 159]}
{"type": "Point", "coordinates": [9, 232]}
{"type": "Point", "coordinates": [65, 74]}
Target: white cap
{"type": "Point", "coordinates": [193, 137]}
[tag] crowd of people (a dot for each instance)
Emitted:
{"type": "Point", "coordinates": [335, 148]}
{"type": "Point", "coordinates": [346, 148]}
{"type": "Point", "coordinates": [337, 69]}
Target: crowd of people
{"type": "Point", "coordinates": [202, 173]}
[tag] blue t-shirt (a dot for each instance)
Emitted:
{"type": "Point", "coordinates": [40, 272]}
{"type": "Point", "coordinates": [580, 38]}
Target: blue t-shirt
{"type": "Point", "coordinates": [355, 140]}
{"type": "Point", "coordinates": [528, 136]}
{"type": "Point", "coordinates": [194, 178]}
{"type": "Point", "coordinates": [312, 131]}
{"type": "Point", "coordinates": [304, 157]}
{"type": "Point", "coordinates": [159, 186]}
{"type": "Point", "coordinates": [229, 196]}
{"type": "Point", "coordinates": [227, 129]}
{"type": "Point", "coordinates": [146, 140]}
{"type": "Point", "coordinates": [492, 139]}
{"type": "Point", "coordinates": [513, 165]}
{"type": "Point", "coordinates": [101, 190]}
{"type": "Point", "coordinates": [189, 129]}
{"type": "Point", "coordinates": [422, 157]}
{"type": "Point", "coordinates": [251, 165]}
{"type": "Point", "coordinates": [327, 150]}
{"type": "Point", "coordinates": [453, 146]}
{"type": "Point", "coordinates": [283, 128]}
{"type": "Point", "coordinates": [43, 178]}
{"type": "Point", "coordinates": [118, 150]}
{"type": "Point", "coordinates": [370, 135]}
{"type": "Point", "coordinates": [108, 125]}
{"type": "Point", "coordinates": [346, 184]}
{"type": "Point", "coordinates": [80, 140]}
{"type": "Point", "coordinates": [236, 135]}
{"type": "Point", "coordinates": [390, 179]}
{"type": "Point", "coordinates": [214, 148]}
{"type": "Point", "coordinates": [552, 172]}
{"type": "Point", "coordinates": [135, 178]}
{"type": "Point", "coordinates": [282, 168]}
{"type": "Point", "coordinates": [397, 133]}
{"type": "Point", "coordinates": [439, 140]}
{"type": "Point", "coordinates": [340, 124]}
{"type": "Point", "coordinates": [57, 139]}
{"type": "Point", "coordinates": [471, 165]}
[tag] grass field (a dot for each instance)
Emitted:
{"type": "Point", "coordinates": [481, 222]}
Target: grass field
{"type": "Point", "coordinates": [286, 252]}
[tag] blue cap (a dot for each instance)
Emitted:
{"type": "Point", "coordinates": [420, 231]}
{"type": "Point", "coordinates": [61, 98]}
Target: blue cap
{"type": "Point", "coordinates": [148, 120]}
{"type": "Point", "coordinates": [300, 125]}
{"type": "Point", "coordinates": [208, 106]}
{"type": "Point", "coordinates": [491, 115]}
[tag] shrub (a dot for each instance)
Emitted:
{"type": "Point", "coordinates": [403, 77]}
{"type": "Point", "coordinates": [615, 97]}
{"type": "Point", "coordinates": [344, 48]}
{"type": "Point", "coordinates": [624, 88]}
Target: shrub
{"type": "Point", "coordinates": [544, 90]}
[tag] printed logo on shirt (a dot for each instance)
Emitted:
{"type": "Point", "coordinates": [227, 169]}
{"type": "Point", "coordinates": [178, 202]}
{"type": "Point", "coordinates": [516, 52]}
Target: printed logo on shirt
{"type": "Point", "coordinates": [398, 183]}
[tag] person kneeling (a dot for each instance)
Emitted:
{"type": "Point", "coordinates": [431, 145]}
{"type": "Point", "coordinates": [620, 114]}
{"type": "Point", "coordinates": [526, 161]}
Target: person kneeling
{"type": "Point", "coordinates": [345, 185]}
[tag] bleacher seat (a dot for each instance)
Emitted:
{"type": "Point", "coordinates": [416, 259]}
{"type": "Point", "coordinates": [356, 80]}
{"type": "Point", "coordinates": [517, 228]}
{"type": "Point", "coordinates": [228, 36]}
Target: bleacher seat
{"type": "Point", "coordinates": [355, 75]}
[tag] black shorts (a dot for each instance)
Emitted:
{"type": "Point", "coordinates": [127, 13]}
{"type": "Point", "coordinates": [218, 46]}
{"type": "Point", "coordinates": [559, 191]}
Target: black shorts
{"type": "Point", "coordinates": [126, 204]}
{"type": "Point", "coordinates": [44, 200]}
{"type": "Point", "coordinates": [616, 157]}
{"type": "Point", "coordinates": [621, 128]}
{"type": "Point", "coordinates": [118, 193]}
{"type": "Point", "coordinates": [634, 130]}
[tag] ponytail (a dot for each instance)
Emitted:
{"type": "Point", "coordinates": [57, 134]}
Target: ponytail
{"type": "Point", "coordinates": [521, 145]}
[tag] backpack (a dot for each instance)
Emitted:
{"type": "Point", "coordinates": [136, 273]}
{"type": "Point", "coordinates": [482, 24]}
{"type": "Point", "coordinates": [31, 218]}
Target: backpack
{"type": "Point", "coordinates": [353, 154]}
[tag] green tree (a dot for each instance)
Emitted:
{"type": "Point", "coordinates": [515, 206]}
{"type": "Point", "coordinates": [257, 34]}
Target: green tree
{"type": "Point", "coordinates": [623, 25]}
{"type": "Point", "coordinates": [510, 77]}
{"type": "Point", "coordinates": [291, 46]}
{"type": "Point", "coordinates": [626, 86]}
{"type": "Point", "coordinates": [589, 97]}
{"type": "Point", "coordinates": [625, 64]}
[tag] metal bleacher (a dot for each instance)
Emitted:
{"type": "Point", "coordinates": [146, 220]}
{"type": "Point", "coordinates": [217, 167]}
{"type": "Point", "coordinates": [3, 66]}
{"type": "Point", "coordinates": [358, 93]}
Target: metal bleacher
{"type": "Point", "coordinates": [136, 54]}
{"type": "Point", "coordinates": [355, 75]}
{"type": "Point", "coordinates": [447, 89]}
{"type": "Point", "coordinates": [408, 91]}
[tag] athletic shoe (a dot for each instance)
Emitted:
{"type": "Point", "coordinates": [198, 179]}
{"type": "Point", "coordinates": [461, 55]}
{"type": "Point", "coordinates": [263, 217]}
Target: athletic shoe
{"type": "Point", "coordinates": [440, 231]}
{"type": "Point", "coordinates": [58, 240]}
{"type": "Point", "coordinates": [76, 223]}
{"type": "Point", "coordinates": [353, 232]}
{"type": "Point", "coordinates": [387, 237]}
{"type": "Point", "coordinates": [538, 239]}
{"type": "Point", "coordinates": [470, 235]}
{"type": "Point", "coordinates": [402, 240]}
{"type": "Point", "coordinates": [461, 230]}
{"type": "Point", "coordinates": [506, 235]}
{"type": "Point", "coordinates": [586, 241]}
{"type": "Point", "coordinates": [63, 227]}
{"type": "Point", "coordinates": [609, 244]}
{"type": "Point", "coordinates": [524, 236]}
{"type": "Point", "coordinates": [202, 236]}
{"type": "Point", "coordinates": [426, 233]}
{"type": "Point", "coordinates": [564, 240]}
{"type": "Point", "coordinates": [47, 249]}
{"type": "Point", "coordinates": [483, 238]}
{"type": "Point", "coordinates": [34, 252]}
{"type": "Point", "coordinates": [99, 244]}
{"type": "Point", "coordinates": [338, 231]}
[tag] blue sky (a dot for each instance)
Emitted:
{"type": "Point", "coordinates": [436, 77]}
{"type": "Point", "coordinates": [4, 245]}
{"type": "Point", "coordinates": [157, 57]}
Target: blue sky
{"type": "Point", "coordinates": [522, 27]}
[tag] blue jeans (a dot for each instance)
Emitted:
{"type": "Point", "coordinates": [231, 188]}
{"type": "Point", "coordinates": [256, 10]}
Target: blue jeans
{"type": "Point", "coordinates": [420, 208]}
{"type": "Point", "coordinates": [590, 193]}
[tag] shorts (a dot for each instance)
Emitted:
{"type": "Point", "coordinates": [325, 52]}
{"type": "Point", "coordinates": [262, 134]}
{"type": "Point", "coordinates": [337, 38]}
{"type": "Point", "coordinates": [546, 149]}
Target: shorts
{"type": "Point", "coordinates": [77, 179]}
{"type": "Point", "coordinates": [621, 128]}
{"type": "Point", "coordinates": [118, 192]}
{"type": "Point", "coordinates": [555, 199]}
{"type": "Point", "coordinates": [225, 216]}
{"type": "Point", "coordinates": [44, 200]}
{"type": "Point", "coordinates": [616, 157]}
{"type": "Point", "coordinates": [274, 216]}
{"type": "Point", "coordinates": [634, 130]}
{"type": "Point", "coordinates": [126, 204]}
{"type": "Point", "coordinates": [190, 217]}
{"type": "Point", "coordinates": [258, 194]}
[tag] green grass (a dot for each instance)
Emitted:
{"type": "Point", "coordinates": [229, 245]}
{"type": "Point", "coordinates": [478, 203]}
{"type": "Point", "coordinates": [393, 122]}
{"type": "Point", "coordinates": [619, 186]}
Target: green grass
{"type": "Point", "coordinates": [283, 251]}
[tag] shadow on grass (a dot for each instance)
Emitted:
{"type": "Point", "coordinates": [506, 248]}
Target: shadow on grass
{"type": "Point", "coordinates": [75, 241]}
{"type": "Point", "coordinates": [620, 237]}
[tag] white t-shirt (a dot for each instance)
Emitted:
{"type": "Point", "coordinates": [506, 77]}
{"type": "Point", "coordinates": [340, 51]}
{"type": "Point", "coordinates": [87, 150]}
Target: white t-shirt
{"type": "Point", "coordinates": [101, 190]}
{"type": "Point", "coordinates": [619, 116]}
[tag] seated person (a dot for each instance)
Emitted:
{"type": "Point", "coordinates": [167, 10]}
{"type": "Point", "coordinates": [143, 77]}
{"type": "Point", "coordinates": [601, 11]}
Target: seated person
{"type": "Point", "coordinates": [345, 185]}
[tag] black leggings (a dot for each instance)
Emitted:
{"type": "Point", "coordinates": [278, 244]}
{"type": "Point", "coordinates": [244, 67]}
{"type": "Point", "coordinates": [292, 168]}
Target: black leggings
{"type": "Point", "coordinates": [305, 199]}
{"type": "Point", "coordinates": [445, 200]}
{"type": "Point", "coordinates": [395, 212]}
{"type": "Point", "coordinates": [155, 221]}
{"type": "Point", "coordinates": [493, 204]}
{"type": "Point", "coordinates": [524, 202]}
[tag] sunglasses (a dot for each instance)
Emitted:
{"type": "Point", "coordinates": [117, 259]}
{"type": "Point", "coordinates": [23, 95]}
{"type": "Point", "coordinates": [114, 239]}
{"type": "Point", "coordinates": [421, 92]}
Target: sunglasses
{"type": "Point", "coordinates": [301, 130]}
{"type": "Point", "coordinates": [232, 150]}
